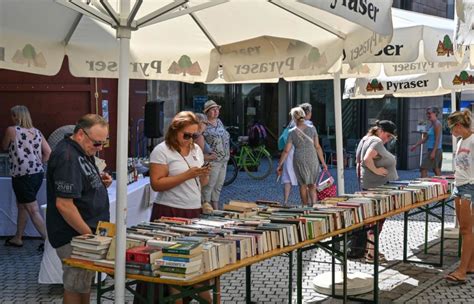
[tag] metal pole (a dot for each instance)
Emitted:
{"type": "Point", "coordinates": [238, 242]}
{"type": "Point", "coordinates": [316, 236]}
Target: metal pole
{"type": "Point", "coordinates": [338, 122]}
{"type": "Point", "coordinates": [122, 153]}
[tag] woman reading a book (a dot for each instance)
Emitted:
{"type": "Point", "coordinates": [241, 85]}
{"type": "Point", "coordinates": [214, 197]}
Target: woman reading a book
{"type": "Point", "coordinates": [460, 125]}
{"type": "Point", "coordinates": [177, 174]}
{"type": "Point", "coordinates": [375, 167]}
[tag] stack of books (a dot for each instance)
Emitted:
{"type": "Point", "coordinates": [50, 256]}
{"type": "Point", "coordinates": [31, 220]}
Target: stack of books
{"type": "Point", "coordinates": [141, 260]}
{"type": "Point", "coordinates": [241, 209]}
{"type": "Point", "coordinates": [181, 261]}
{"type": "Point", "coordinates": [90, 247]}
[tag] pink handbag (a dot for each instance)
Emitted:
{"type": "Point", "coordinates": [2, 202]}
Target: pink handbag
{"type": "Point", "coordinates": [326, 188]}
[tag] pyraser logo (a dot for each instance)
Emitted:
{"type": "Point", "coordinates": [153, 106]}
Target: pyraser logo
{"type": "Point", "coordinates": [374, 86]}
{"type": "Point", "coordinates": [29, 56]}
{"type": "Point", "coordinates": [445, 47]}
{"type": "Point", "coordinates": [463, 78]}
{"type": "Point", "coordinates": [185, 65]}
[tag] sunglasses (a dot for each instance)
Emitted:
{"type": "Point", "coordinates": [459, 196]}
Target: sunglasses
{"type": "Point", "coordinates": [188, 136]}
{"type": "Point", "coordinates": [451, 126]}
{"type": "Point", "coordinates": [95, 143]}
{"type": "Point", "coordinates": [391, 136]}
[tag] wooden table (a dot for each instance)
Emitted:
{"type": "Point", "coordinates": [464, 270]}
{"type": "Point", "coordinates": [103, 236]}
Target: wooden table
{"type": "Point", "coordinates": [188, 289]}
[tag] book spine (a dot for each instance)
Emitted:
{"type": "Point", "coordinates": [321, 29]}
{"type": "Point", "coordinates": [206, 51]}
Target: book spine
{"type": "Point", "coordinates": [176, 250]}
{"type": "Point", "coordinates": [173, 269]}
{"type": "Point", "coordinates": [176, 259]}
{"type": "Point", "coordinates": [172, 264]}
{"type": "Point", "coordinates": [140, 266]}
{"type": "Point", "coordinates": [137, 257]}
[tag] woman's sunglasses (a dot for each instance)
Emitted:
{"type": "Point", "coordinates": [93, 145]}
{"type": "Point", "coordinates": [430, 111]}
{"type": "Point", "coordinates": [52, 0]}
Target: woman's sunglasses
{"type": "Point", "coordinates": [188, 136]}
{"type": "Point", "coordinates": [95, 143]}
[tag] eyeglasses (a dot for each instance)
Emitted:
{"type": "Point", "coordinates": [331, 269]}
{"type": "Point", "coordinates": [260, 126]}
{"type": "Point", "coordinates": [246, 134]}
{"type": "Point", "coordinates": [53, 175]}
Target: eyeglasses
{"type": "Point", "coordinates": [451, 126]}
{"type": "Point", "coordinates": [95, 143]}
{"type": "Point", "coordinates": [391, 136]}
{"type": "Point", "coordinates": [188, 136]}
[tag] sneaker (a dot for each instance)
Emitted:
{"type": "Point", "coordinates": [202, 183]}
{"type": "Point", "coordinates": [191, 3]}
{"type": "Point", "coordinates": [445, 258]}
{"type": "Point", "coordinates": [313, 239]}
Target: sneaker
{"type": "Point", "coordinates": [369, 258]}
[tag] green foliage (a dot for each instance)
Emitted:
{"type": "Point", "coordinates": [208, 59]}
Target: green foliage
{"type": "Point", "coordinates": [447, 42]}
{"type": "Point", "coordinates": [464, 75]}
{"type": "Point", "coordinates": [185, 62]}
{"type": "Point", "coordinates": [374, 83]}
{"type": "Point", "coordinates": [29, 52]}
{"type": "Point", "coordinates": [314, 55]}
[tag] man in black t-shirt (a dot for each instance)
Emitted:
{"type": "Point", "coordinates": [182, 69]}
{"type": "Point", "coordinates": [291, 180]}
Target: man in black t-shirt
{"type": "Point", "coordinates": [77, 198]}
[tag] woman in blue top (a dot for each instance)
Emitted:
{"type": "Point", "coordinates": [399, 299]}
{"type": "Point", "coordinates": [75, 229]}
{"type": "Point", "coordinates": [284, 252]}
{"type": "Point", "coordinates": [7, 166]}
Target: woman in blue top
{"type": "Point", "coordinates": [434, 158]}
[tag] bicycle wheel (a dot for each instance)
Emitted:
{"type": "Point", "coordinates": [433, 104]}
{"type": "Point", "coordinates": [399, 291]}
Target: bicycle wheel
{"type": "Point", "coordinates": [231, 172]}
{"type": "Point", "coordinates": [257, 163]}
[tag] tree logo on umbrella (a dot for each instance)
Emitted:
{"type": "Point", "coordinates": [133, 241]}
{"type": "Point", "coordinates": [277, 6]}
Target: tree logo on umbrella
{"type": "Point", "coordinates": [374, 86]}
{"type": "Point", "coordinates": [29, 56]}
{"type": "Point", "coordinates": [463, 78]}
{"type": "Point", "coordinates": [445, 47]}
{"type": "Point", "coordinates": [360, 69]}
{"type": "Point", "coordinates": [185, 66]}
{"type": "Point", "coordinates": [313, 60]}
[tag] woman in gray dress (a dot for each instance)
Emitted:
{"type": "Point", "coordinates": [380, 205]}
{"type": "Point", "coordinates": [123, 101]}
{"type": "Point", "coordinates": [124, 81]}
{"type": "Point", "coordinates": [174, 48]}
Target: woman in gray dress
{"type": "Point", "coordinates": [304, 139]}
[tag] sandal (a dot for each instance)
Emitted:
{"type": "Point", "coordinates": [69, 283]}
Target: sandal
{"type": "Point", "coordinates": [8, 242]}
{"type": "Point", "coordinates": [451, 278]}
{"type": "Point", "coordinates": [369, 258]}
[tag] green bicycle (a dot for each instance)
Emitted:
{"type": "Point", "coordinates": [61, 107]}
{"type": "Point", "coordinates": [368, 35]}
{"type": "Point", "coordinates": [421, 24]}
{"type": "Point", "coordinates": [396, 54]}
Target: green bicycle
{"type": "Point", "coordinates": [256, 161]}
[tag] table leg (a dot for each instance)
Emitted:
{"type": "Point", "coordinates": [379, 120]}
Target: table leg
{"type": "Point", "coordinates": [248, 283]}
{"type": "Point", "coordinates": [405, 236]}
{"type": "Point", "coordinates": [99, 287]}
{"type": "Point", "coordinates": [161, 293]}
{"type": "Point", "coordinates": [344, 269]}
{"type": "Point", "coordinates": [290, 277]}
{"type": "Point", "coordinates": [333, 269]}
{"type": "Point", "coordinates": [442, 235]}
{"type": "Point", "coordinates": [216, 290]}
{"type": "Point", "coordinates": [299, 276]}
{"type": "Point", "coordinates": [376, 262]}
{"type": "Point", "coordinates": [425, 250]}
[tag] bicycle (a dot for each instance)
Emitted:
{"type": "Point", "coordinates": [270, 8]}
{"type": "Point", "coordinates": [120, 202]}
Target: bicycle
{"type": "Point", "coordinates": [256, 161]}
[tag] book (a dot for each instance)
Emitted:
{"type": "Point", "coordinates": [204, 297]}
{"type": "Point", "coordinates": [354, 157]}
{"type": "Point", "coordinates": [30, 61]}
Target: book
{"type": "Point", "coordinates": [178, 276]}
{"type": "Point", "coordinates": [105, 229]}
{"type": "Point", "coordinates": [105, 263]}
{"type": "Point", "coordinates": [185, 248]}
{"type": "Point", "coordinates": [129, 243]}
{"type": "Point", "coordinates": [92, 239]}
{"type": "Point", "coordinates": [143, 254]}
{"type": "Point", "coordinates": [184, 270]}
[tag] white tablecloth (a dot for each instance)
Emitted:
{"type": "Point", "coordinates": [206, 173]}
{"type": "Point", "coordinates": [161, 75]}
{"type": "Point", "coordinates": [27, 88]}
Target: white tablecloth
{"type": "Point", "coordinates": [139, 209]}
{"type": "Point", "coordinates": [9, 211]}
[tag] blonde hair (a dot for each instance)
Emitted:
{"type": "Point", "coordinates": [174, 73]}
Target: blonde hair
{"type": "Point", "coordinates": [179, 122]}
{"type": "Point", "coordinates": [297, 114]}
{"type": "Point", "coordinates": [21, 116]}
{"type": "Point", "coordinates": [460, 117]}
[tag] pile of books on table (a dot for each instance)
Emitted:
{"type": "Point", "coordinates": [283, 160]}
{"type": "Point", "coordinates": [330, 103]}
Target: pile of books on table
{"type": "Point", "coordinates": [181, 261]}
{"type": "Point", "coordinates": [90, 247]}
{"type": "Point", "coordinates": [181, 249]}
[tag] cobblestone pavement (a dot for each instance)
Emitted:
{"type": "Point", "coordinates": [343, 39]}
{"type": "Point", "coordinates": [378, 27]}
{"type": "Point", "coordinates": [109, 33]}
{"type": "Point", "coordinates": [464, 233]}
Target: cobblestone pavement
{"type": "Point", "coordinates": [399, 282]}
